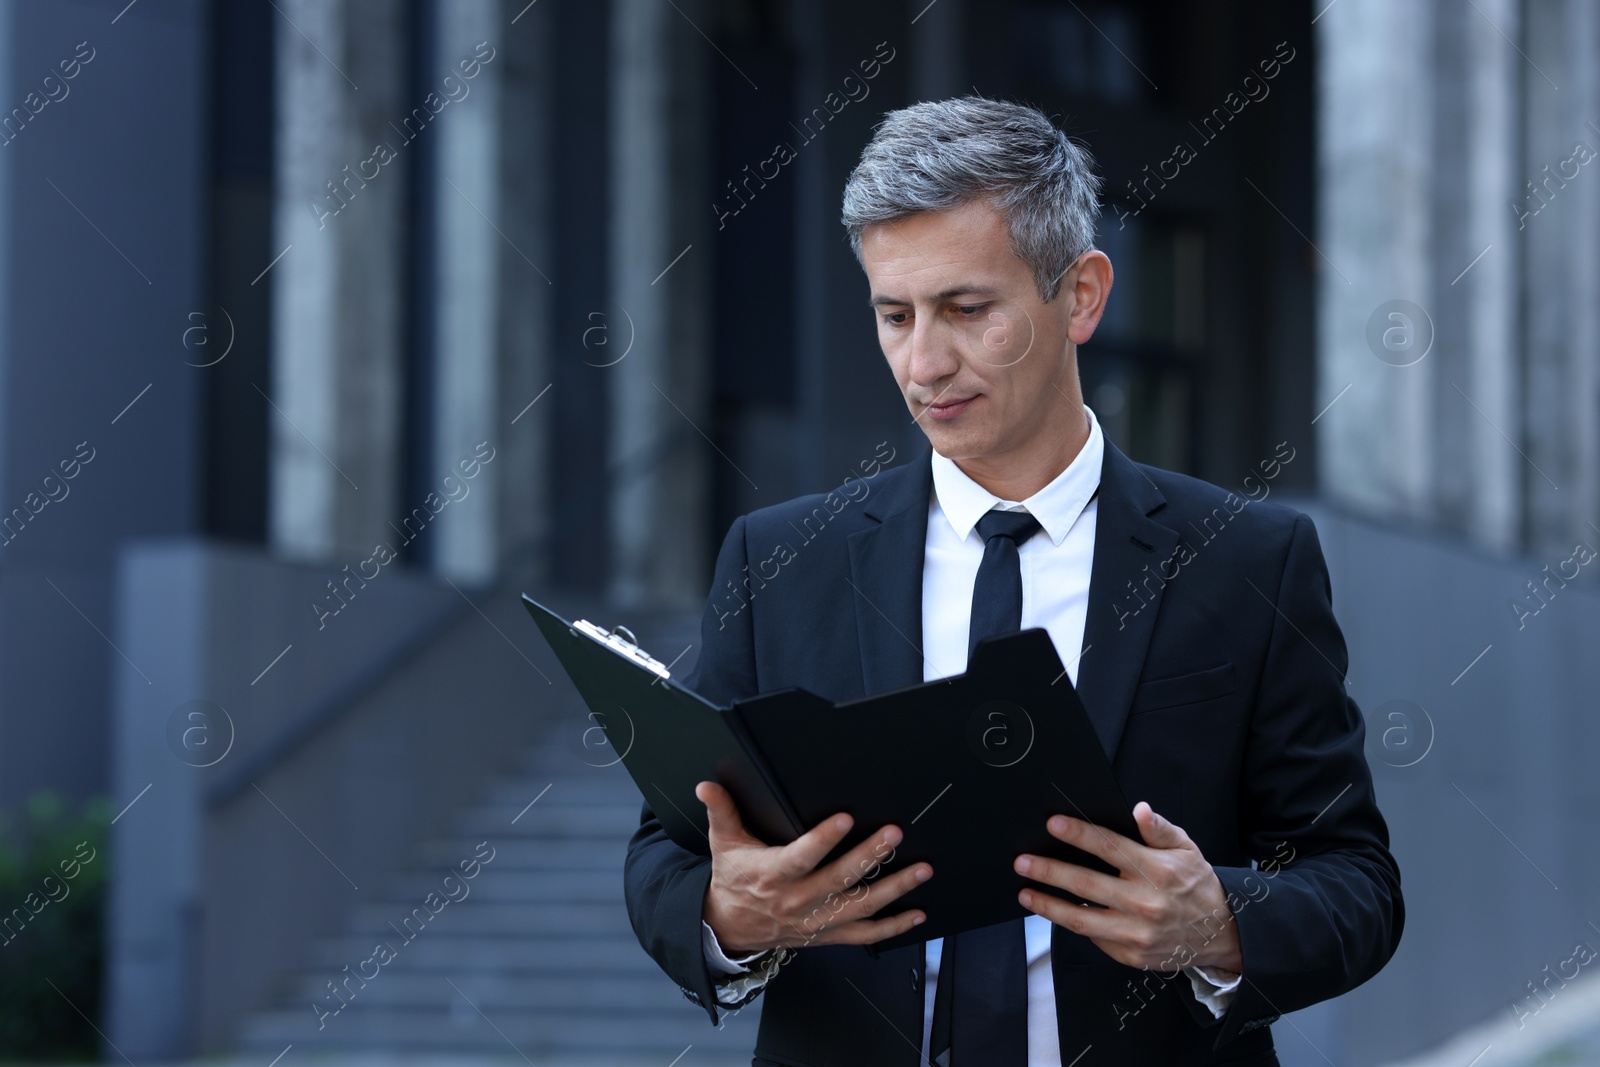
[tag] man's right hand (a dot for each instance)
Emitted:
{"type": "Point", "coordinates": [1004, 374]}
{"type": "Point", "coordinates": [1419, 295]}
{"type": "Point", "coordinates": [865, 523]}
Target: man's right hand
{"type": "Point", "coordinates": [764, 897]}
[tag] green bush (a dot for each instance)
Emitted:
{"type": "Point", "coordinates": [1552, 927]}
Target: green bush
{"type": "Point", "coordinates": [53, 876]}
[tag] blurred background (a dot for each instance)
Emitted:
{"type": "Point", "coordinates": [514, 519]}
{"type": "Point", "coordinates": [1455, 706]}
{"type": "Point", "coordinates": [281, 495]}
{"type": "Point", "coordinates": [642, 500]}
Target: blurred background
{"type": "Point", "coordinates": [327, 327]}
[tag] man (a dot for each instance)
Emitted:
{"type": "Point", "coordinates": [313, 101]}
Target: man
{"type": "Point", "coordinates": [1197, 630]}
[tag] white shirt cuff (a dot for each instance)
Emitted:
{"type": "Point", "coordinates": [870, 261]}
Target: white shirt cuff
{"type": "Point", "coordinates": [1213, 987]}
{"type": "Point", "coordinates": [718, 959]}
{"type": "Point", "coordinates": [735, 990]}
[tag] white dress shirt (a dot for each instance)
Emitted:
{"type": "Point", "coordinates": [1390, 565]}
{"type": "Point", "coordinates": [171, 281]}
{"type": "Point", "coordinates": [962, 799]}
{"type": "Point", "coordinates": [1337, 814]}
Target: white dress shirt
{"type": "Point", "coordinates": [1055, 566]}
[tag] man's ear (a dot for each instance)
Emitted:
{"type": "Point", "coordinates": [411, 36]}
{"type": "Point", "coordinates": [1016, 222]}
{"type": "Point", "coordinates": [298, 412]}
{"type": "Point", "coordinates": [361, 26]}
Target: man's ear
{"type": "Point", "coordinates": [1088, 285]}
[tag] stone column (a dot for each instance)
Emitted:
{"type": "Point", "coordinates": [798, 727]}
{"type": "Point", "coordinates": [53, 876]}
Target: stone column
{"type": "Point", "coordinates": [336, 309]}
{"type": "Point", "coordinates": [1562, 290]}
{"type": "Point", "coordinates": [659, 243]}
{"type": "Point", "coordinates": [527, 289]}
{"type": "Point", "coordinates": [466, 286]}
{"type": "Point", "coordinates": [1375, 88]}
{"type": "Point", "coordinates": [1479, 477]}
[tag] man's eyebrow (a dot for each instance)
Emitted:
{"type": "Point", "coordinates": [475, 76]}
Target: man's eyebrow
{"type": "Point", "coordinates": [938, 298]}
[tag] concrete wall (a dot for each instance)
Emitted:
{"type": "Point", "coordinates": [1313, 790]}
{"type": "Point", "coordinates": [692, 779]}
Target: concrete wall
{"type": "Point", "coordinates": [280, 789]}
{"type": "Point", "coordinates": [1484, 769]}
{"type": "Point", "coordinates": [99, 277]}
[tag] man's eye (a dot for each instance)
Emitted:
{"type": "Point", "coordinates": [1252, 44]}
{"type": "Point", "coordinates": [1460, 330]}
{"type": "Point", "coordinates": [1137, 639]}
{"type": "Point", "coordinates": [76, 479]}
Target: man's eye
{"type": "Point", "coordinates": [895, 318]}
{"type": "Point", "coordinates": [970, 310]}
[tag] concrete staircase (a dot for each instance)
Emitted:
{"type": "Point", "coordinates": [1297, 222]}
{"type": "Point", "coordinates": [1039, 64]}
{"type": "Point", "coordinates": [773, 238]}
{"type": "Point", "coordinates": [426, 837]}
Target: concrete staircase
{"type": "Point", "coordinates": [536, 962]}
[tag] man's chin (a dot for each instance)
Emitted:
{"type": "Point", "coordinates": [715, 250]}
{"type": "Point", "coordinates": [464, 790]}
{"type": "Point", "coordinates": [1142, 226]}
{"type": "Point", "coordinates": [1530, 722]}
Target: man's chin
{"type": "Point", "coordinates": [953, 446]}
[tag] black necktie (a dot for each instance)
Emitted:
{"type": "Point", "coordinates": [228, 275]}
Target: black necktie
{"type": "Point", "coordinates": [980, 1009]}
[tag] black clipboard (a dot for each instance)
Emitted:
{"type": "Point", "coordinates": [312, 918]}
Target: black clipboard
{"type": "Point", "coordinates": [969, 767]}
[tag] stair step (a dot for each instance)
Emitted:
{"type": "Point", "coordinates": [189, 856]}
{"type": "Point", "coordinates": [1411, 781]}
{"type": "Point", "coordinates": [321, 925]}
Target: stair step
{"type": "Point", "coordinates": [407, 889]}
{"type": "Point", "coordinates": [578, 820]}
{"type": "Point", "coordinates": [538, 962]}
{"type": "Point", "coordinates": [493, 991]}
{"type": "Point", "coordinates": [556, 854]}
{"type": "Point", "coordinates": [534, 1033]}
{"type": "Point", "coordinates": [566, 788]}
{"type": "Point", "coordinates": [484, 917]}
{"type": "Point", "coordinates": [442, 949]}
{"type": "Point", "coordinates": [576, 754]}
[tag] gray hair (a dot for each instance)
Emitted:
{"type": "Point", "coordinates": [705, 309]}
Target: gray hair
{"type": "Point", "coordinates": [942, 155]}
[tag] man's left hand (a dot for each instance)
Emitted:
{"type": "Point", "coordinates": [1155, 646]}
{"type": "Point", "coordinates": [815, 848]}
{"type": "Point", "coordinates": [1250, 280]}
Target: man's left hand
{"type": "Point", "coordinates": [1165, 908]}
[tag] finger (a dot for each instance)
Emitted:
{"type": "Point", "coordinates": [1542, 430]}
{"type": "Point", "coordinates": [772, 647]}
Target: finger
{"type": "Point", "coordinates": [864, 862]}
{"type": "Point", "coordinates": [867, 899]}
{"type": "Point", "coordinates": [832, 909]}
{"type": "Point", "coordinates": [1099, 923]}
{"type": "Point", "coordinates": [722, 815]}
{"type": "Point", "coordinates": [870, 931]}
{"type": "Point", "coordinates": [1090, 885]}
{"type": "Point", "coordinates": [1121, 852]}
{"type": "Point", "coordinates": [802, 855]}
{"type": "Point", "coordinates": [1157, 831]}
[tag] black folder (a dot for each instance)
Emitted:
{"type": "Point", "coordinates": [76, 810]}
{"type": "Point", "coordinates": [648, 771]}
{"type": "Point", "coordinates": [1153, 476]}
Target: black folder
{"type": "Point", "coordinates": [968, 767]}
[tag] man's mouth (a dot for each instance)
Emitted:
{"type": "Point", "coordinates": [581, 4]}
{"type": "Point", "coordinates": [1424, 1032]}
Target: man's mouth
{"type": "Point", "coordinates": [949, 409]}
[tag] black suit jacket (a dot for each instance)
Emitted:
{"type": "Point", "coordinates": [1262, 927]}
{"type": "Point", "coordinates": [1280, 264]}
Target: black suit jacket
{"type": "Point", "coordinates": [1213, 670]}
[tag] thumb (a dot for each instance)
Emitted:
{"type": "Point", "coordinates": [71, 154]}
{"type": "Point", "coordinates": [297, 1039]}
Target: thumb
{"type": "Point", "coordinates": [722, 814]}
{"type": "Point", "coordinates": [1157, 831]}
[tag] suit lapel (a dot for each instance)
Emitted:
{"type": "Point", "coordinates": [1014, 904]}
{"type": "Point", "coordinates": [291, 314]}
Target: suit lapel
{"type": "Point", "coordinates": [886, 572]}
{"type": "Point", "coordinates": [1125, 589]}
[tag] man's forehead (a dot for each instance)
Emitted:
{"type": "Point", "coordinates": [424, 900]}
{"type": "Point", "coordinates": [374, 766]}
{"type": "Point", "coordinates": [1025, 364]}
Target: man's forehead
{"type": "Point", "coordinates": [937, 251]}
{"type": "Point", "coordinates": [974, 220]}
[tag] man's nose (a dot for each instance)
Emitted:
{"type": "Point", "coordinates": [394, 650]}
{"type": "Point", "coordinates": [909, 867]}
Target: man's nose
{"type": "Point", "coordinates": [933, 353]}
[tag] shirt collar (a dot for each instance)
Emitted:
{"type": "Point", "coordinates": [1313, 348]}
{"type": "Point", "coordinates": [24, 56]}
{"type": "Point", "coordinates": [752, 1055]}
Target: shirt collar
{"type": "Point", "coordinates": [1056, 506]}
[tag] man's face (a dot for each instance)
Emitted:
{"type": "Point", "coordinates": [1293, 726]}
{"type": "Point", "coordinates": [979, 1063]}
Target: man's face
{"type": "Point", "coordinates": [985, 366]}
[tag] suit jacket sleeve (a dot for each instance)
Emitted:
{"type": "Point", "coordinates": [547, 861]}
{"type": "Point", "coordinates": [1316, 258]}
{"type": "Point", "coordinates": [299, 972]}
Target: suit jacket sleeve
{"type": "Point", "coordinates": [664, 884]}
{"type": "Point", "coordinates": [1321, 912]}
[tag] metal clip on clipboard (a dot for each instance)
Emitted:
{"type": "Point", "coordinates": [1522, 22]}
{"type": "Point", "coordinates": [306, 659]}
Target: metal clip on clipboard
{"type": "Point", "coordinates": [623, 645]}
